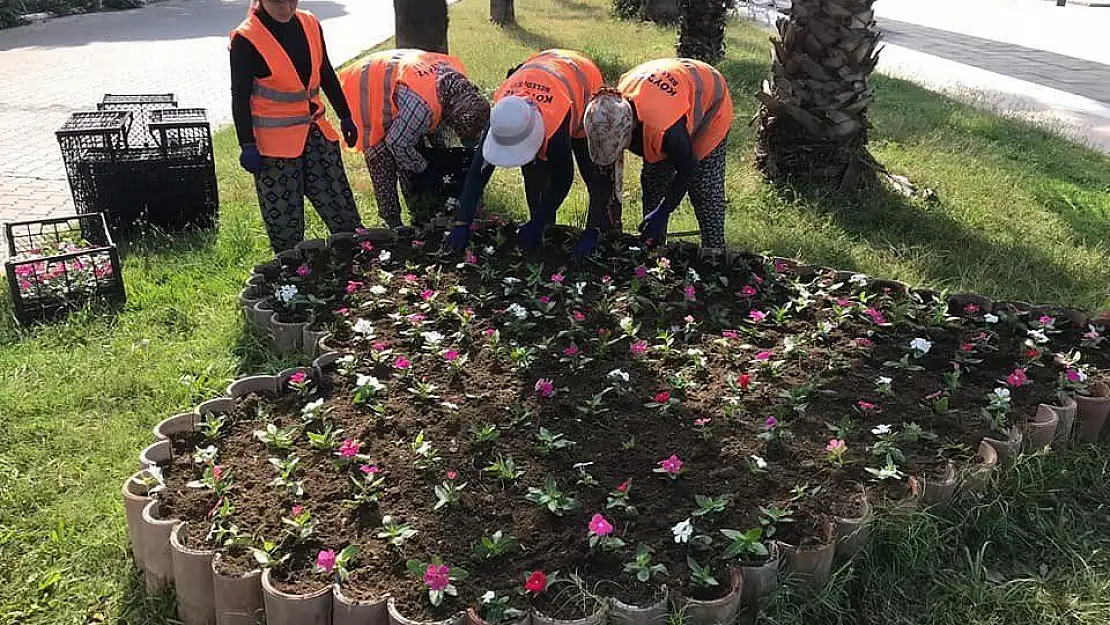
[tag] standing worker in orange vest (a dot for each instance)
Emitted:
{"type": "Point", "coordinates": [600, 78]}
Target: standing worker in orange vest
{"type": "Point", "coordinates": [676, 114]}
{"type": "Point", "coordinates": [536, 124]}
{"type": "Point", "coordinates": [278, 65]}
{"type": "Point", "coordinates": [399, 98]}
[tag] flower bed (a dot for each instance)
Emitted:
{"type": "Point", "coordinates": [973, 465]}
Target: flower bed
{"type": "Point", "coordinates": [527, 439]}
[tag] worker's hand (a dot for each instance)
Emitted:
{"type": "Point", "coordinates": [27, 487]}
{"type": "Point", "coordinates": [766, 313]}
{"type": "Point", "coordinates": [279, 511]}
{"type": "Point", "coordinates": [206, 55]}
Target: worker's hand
{"type": "Point", "coordinates": [654, 226]}
{"type": "Point", "coordinates": [250, 159]}
{"type": "Point", "coordinates": [458, 238]}
{"type": "Point", "coordinates": [350, 131]}
{"type": "Point", "coordinates": [528, 236]}
{"type": "Point", "coordinates": [588, 243]}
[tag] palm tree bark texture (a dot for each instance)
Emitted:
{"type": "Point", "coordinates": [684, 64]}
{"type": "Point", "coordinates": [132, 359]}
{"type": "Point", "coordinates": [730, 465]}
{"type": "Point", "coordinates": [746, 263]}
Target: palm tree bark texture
{"type": "Point", "coordinates": [813, 118]}
{"type": "Point", "coordinates": [502, 12]}
{"type": "Point", "coordinates": [421, 24]}
{"type": "Point", "coordinates": [701, 29]}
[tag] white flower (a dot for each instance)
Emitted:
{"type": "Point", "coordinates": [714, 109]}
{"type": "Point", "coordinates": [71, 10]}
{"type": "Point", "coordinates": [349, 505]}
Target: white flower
{"type": "Point", "coordinates": [286, 293]}
{"type": "Point", "coordinates": [883, 380]}
{"type": "Point", "coordinates": [517, 311]}
{"type": "Point", "coordinates": [432, 337]}
{"type": "Point", "coordinates": [579, 288]}
{"type": "Point", "coordinates": [858, 279]}
{"type": "Point", "coordinates": [347, 360]}
{"type": "Point", "coordinates": [683, 531]}
{"type": "Point", "coordinates": [489, 596]}
{"type": "Point", "coordinates": [693, 275]}
{"type": "Point", "coordinates": [582, 465]}
{"type": "Point", "coordinates": [1002, 392]}
{"type": "Point", "coordinates": [788, 345]}
{"type": "Point", "coordinates": [889, 472]}
{"type": "Point", "coordinates": [312, 407]}
{"type": "Point", "coordinates": [989, 318]}
{"type": "Point", "coordinates": [205, 455]}
{"type": "Point", "coordinates": [362, 326]}
{"type": "Point", "coordinates": [369, 381]}
{"type": "Point", "coordinates": [618, 376]}
{"type": "Point", "coordinates": [510, 280]}
{"type": "Point", "coordinates": [921, 345]}
{"type": "Point", "coordinates": [760, 463]}
{"type": "Point", "coordinates": [378, 290]}
{"type": "Point", "coordinates": [462, 289]}
{"type": "Point", "coordinates": [881, 429]}
{"type": "Point", "coordinates": [633, 248]}
{"type": "Point", "coordinates": [1082, 375]}
{"type": "Point", "coordinates": [385, 256]}
{"type": "Point", "coordinates": [1038, 336]}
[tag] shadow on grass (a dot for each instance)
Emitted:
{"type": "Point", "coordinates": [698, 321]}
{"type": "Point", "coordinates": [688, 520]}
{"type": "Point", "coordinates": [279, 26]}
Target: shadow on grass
{"type": "Point", "coordinates": [138, 606]}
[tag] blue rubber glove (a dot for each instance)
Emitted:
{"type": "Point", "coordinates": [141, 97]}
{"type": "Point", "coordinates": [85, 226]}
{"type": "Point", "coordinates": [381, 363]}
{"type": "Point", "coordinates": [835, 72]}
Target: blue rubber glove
{"type": "Point", "coordinates": [459, 237]}
{"type": "Point", "coordinates": [654, 226]}
{"type": "Point", "coordinates": [250, 159]}
{"type": "Point", "coordinates": [588, 243]}
{"type": "Point", "coordinates": [528, 236]}
{"type": "Point", "coordinates": [350, 131]}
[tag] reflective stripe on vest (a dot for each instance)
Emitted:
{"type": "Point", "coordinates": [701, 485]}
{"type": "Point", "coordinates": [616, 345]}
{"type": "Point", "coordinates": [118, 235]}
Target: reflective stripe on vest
{"type": "Point", "coordinates": [703, 117]}
{"type": "Point", "coordinates": [284, 96]}
{"type": "Point", "coordinates": [284, 122]}
{"type": "Point", "coordinates": [577, 109]}
{"type": "Point", "coordinates": [387, 95]}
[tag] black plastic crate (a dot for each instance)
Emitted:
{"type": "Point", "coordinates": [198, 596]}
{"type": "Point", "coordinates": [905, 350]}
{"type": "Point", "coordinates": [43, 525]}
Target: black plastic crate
{"type": "Point", "coordinates": [88, 140]}
{"type": "Point", "coordinates": [140, 106]}
{"type": "Point", "coordinates": [57, 264]}
{"type": "Point", "coordinates": [172, 128]}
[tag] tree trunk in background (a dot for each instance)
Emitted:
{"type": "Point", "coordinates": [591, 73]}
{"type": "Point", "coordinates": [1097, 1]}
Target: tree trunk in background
{"type": "Point", "coordinates": [421, 24]}
{"type": "Point", "coordinates": [813, 118]}
{"type": "Point", "coordinates": [502, 12]}
{"type": "Point", "coordinates": [701, 29]}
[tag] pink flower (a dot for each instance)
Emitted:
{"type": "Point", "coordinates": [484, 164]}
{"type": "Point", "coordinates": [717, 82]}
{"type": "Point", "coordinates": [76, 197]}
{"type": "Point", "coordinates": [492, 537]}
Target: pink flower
{"type": "Point", "coordinates": [361, 231]}
{"type": "Point", "coordinates": [488, 332]}
{"type": "Point", "coordinates": [748, 291]}
{"type": "Point", "coordinates": [688, 319]}
{"type": "Point", "coordinates": [369, 469]}
{"type": "Point", "coordinates": [836, 445]}
{"type": "Point", "coordinates": [967, 348]}
{"type": "Point", "coordinates": [411, 278]}
{"type": "Point", "coordinates": [571, 351]}
{"type": "Point", "coordinates": [600, 526]}
{"type": "Point", "coordinates": [1046, 320]}
{"type": "Point", "coordinates": [1073, 375]}
{"type": "Point", "coordinates": [325, 561]}
{"type": "Point", "coordinates": [671, 465]}
{"type": "Point", "coordinates": [1017, 378]}
{"type": "Point", "coordinates": [844, 302]}
{"type": "Point", "coordinates": [427, 294]}
{"type": "Point", "coordinates": [971, 309]}
{"type": "Point", "coordinates": [349, 448]}
{"type": "Point", "coordinates": [606, 279]}
{"type": "Point", "coordinates": [623, 488]}
{"type": "Point", "coordinates": [343, 312]}
{"type": "Point", "coordinates": [558, 278]}
{"type": "Point", "coordinates": [702, 422]}
{"type": "Point", "coordinates": [437, 577]}
{"type": "Point", "coordinates": [451, 355]}
{"type": "Point", "coordinates": [730, 334]}
{"type": "Point", "coordinates": [452, 475]}
{"type": "Point", "coordinates": [416, 319]}
{"type": "Point", "coordinates": [217, 472]}
{"type": "Point", "coordinates": [865, 405]}
{"type": "Point", "coordinates": [578, 316]}
{"type": "Point", "coordinates": [763, 356]}
{"type": "Point", "coordinates": [744, 381]}
{"type": "Point", "coordinates": [471, 258]}
{"type": "Point", "coordinates": [366, 246]}
{"type": "Point", "coordinates": [402, 363]}
{"type": "Point", "coordinates": [665, 262]}
{"type": "Point", "coordinates": [297, 378]}
{"type": "Point", "coordinates": [757, 315]}
{"type": "Point", "coordinates": [771, 423]}
{"type": "Point", "coordinates": [662, 397]}
{"type": "Point", "coordinates": [875, 315]}
{"type": "Point", "coordinates": [545, 299]}
{"type": "Point", "coordinates": [640, 272]}
{"type": "Point", "coordinates": [379, 346]}
{"type": "Point", "coordinates": [536, 583]}
{"type": "Point", "coordinates": [545, 387]}
{"type": "Point", "coordinates": [690, 293]}
{"type": "Point", "coordinates": [353, 286]}
{"type": "Point", "coordinates": [296, 511]}
{"type": "Point", "coordinates": [303, 271]}
{"type": "Point", "coordinates": [417, 244]}
{"type": "Point", "coordinates": [862, 342]}
{"type": "Point", "coordinates": [639, 348]}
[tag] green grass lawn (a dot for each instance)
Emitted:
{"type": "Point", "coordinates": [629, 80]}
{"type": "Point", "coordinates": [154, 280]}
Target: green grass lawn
{"type": "Point", "coordinates": [1022, 215]}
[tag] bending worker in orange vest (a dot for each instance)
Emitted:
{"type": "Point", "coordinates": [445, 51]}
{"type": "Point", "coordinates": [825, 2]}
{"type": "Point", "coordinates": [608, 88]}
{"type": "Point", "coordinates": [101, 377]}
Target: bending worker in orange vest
{"type": "Point", "coordinates": [536, 124]}
{"type": "Point", "coordinates": [278, 65]}
{"type": "Point", "coordinates": [399, 98]}
{"type": "Point", "coordinates": [676, 114]}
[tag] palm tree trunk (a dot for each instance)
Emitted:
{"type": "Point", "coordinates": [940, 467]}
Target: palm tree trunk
{"type": "Point", "coordinates": [421, 24]}
{"type": "Point", "coordinates": [701, 29]}
{"type": "Point", "coordinates": [502, 12]}
{"type": "Point", "coordinates": [813, 118]}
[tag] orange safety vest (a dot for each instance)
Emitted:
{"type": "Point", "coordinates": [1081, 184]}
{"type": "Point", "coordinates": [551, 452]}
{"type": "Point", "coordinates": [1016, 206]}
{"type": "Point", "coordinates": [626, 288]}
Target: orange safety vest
{"type": "Point", "coordinates": [558, 82]}
{"type": "Point", "coordinates": [369, 88]}
{"type": "Point", "coordinates": [666, 90]}
{"type": "Point", "coordinates": [281, 103]}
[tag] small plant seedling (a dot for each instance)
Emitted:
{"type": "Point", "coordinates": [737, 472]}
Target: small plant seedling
{"type": "Point", "coordinates": [708, 506]}
{"type": "Point", "coordinates": [395, 532]}
{"type": "Point", "coordinates": [700, 576]}
{"type": "Point", "coordinates": [641, 567]}
{"type": "Point", "coordinates": [504, 468]}
{"type": "Point", "coordinates": [548, 442]}
{"type": "Point", "coordinates": [496, 545]}
{"type": "Point", "coordinates": [746, 546]}
{"type": "Point", "coordinates": [550, 497]}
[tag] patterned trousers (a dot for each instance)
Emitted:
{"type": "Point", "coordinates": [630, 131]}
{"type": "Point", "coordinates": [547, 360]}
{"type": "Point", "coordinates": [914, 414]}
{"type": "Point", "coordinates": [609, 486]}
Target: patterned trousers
{"type": "Point", "coordinates": [283, 184]}
{"type": "Point", "coordinates": [707, 193]}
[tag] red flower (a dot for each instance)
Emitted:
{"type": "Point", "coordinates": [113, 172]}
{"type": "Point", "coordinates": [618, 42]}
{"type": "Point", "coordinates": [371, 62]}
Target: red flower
{"type": "Point", "coordinates": [662, 397]}
{"type": "Point", "coordinates": [1033, 354]}
{"type": "Point", "coordinates": [745, 380]}
{"type": "Point", "coordinates": [537, 583]}
{"type": "Point", "coordinates": [623, 488]}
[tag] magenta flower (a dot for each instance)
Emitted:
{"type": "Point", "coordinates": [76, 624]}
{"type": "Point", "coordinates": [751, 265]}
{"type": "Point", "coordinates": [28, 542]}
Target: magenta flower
{"type": "Point", "coordinates": [437, 577]}
{"type": "Point", "coordinates": [640, 272]}
{"type": "Point", "coordinates": [411, 278]}
{"type": "Point", "coordinates": [416, 319]}
{"type": "Point", "coordinates": [1018, 378]}
{"type": "Point", "coordinates": [671, 465]}
{"type": "Point", "coordinates": [296, 511]}
{"type": "Point", "coordinates": [366, 246]}
{"type": "Point", "coordinates": [690, 293]}
{"type": "Point", "coordinates": [875, 316]}
{"type": "Point", "coordinates": [349, 448]}
{"type": "Point", "coordinates": [730, 334]}
{"type": "Point", "coordinates": [771, 423]}
{"type": "Point", "coordinates": [545, 387]}
{"type": "Point", "coordinates": [703, 421]}
{"type": "Point", "coordinates": [325, 561]}
{"type": "Point", "coordinates": [1046, 320]}
{"type": "Point", "coordinates": [402, 363]}
{"type": "Point", "coordinates": [451, 355]}
{"type": "Point", "coordinates": [757, 315]}
{"type": "Point", "coordinates": [452, 475]}
{"type": "Point", "coordinates": [971, 309]}
{"type": "Point", "coordinates": [303, 271]}
{"type": "Point", "coordinates": [639, 348]}
{"type": "Point", "coordinates": [427, 294]}
{"type": "Point", "coordinates": [578, 316]}
{"type": "Point", "coordinates": [748, 291]}
{"type": "Point", "coordinates": [369, 469]}
{"type": "Point", "coordinates": [488, 332]}
{"type": "Point", "coordinates": [217, 472]}
{"type": "Point", "coordinates": [606, 279]}
{"type": "Point", "coordinates": [600, 526]}
{"type": "Point", "coordinates": [471, 258]}
{"type": "Point", "coordinates": [379, 346]}
{"type": "Point", "coordinates": [763, 356]}
{"type": "Point", "coordinates": [662, 397]}
{"type": "Point", "coordinates": [1073, 376]}
{"type": "Point", "coordinates": [862, 342]}
{"type": "Point", "coordinates": [297, 378]}
{"type": "Point", "coordinates": [353, 286]}
{"type": "Point", "coordinates": [865, 405]}
{"type": "Point", "coordinates": [343, 312]}
{"type": "Point", "coordinates": [417, 244]}
{"type": "Point", "coordinates": [558, 278]}
{"type": "Point", "coordinates": [571, 351]}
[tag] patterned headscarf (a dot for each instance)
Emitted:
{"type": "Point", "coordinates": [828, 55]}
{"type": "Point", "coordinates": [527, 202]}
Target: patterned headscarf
{"type": "Point", "coordinates": [609, 122]}
{"type": "Point", "coordinates": [465, 109]}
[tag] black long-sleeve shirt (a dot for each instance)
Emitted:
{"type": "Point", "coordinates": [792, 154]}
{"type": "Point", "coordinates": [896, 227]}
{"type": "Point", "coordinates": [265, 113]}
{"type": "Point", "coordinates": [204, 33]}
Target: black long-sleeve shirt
{"type": "Point", "coordinates": [247, 64]}
{"type": "Point", "coordinates": [679, 150]}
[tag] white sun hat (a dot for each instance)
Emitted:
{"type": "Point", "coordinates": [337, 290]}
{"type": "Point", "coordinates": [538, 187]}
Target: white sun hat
{"type": "Point", "coordinates": [515, 134]}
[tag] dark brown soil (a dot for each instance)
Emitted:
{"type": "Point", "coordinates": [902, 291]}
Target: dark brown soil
{"type": "Point", "coordinates": [624, 443]}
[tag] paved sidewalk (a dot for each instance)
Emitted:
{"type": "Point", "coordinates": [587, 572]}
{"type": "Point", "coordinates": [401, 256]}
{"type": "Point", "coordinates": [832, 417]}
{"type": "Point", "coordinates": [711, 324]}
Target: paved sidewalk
{"type": "Point", "coordinates": [1020, 58]}
{"type": "Point", "coordinates": [51, 69]}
